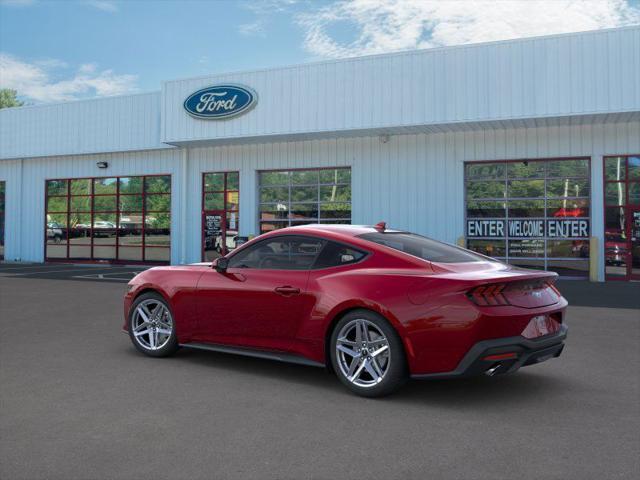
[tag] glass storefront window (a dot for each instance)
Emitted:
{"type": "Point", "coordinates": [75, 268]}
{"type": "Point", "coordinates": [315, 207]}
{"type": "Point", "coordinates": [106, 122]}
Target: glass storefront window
{"type": "Point", "coordinates": [531, 213]}
{"type": "Point", "coordinates": [525, 188]}
{"type": "Point", "coordinates": [615, 193]}
{"type": "Point", "coordinates": [109, 219]}
{"type": "Point", "coordinates": [633, 168]}
{"type": "Point", "coordinates": [490, 248]}
{"type": "Point", "coordinates": [525, 169]}
{"type": "Point", "coordinates": [486, 171]}
{"type": "Point", "coordinates": [622, 217]}
{"type": "Point", "coordinates": [220, 216]}
{"type": "Point", "coordinates": [615, 168]}
{"type": "Point", "coordinates": [299, 197]}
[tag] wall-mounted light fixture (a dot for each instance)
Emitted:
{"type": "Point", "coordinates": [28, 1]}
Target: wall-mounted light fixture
{"type": "Point", "coordinates": [102, 164]}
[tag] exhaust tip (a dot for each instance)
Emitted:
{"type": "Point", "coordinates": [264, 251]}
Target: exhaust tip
{"type": "Point", "coordinates": [493, 370]}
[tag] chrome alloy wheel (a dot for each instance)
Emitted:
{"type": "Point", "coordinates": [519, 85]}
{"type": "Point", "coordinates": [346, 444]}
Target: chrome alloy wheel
{"type": "Point", "coordinates": [362, 351]}
{"type": "Point", "coordinates": [152, 324]}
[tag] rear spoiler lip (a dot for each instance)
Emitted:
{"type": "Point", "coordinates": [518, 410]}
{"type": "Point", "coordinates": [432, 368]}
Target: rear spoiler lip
{"type": "Point", "coordinates": [504, 276]}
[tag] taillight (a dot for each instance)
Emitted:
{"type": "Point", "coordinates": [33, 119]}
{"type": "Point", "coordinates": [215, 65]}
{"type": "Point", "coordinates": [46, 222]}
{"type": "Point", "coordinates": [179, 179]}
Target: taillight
{"type": "Point", "coordinates": [552, 286]}
{"type": "Point", "coordinates": [489, 295]}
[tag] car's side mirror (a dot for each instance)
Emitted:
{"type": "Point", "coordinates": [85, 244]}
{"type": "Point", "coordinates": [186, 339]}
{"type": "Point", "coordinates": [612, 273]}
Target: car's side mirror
{"type": "Point", "coordinates": [221, 264]}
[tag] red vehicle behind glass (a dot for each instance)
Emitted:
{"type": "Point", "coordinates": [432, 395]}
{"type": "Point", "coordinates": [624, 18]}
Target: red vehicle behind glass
{"type": "Point", "coordinates": [374, 305]}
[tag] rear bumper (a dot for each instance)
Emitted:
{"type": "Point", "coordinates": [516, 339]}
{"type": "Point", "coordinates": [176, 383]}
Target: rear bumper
{"type": "Point", "coordinates": [527, 352]}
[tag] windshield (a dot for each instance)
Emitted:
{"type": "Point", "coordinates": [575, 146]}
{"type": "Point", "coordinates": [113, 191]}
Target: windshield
{"type": "Point", "coordinates": [423, 247]}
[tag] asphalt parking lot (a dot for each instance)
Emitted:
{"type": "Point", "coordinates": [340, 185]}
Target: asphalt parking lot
{"type": "Point", "coordinates": [78, 402]}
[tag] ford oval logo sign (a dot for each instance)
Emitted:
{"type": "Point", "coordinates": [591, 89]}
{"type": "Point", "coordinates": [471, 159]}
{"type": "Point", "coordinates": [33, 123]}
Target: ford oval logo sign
{"type": "Point", "coordinates": [220, 101]}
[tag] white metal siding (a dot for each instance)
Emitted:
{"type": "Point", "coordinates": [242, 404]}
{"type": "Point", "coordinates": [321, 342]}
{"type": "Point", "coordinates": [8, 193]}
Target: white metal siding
{"type": "Point", "coordinates": [25, 201]}
{"type": "Point", "coordinates": [414, 182]}
{"type": "Point", "coordinates": [547, 77]}
{"type": "Point", "coordinates": [11, 174]}
{"type": "Point", "coordinates": [91, 126]}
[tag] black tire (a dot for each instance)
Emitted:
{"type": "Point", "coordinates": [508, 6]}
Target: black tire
{"type": "Point", "coordinates": [171, 345]}
{"type": "Point", "coordinates": [396, 373]}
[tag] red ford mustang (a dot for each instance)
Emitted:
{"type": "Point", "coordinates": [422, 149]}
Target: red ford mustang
{"type": "Point", "coordinates": [374, 305]}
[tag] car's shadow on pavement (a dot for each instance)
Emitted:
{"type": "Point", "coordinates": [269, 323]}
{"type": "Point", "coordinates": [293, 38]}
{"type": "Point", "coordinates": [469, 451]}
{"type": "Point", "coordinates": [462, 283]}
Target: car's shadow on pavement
{"type": "Point", "coordinates": [514, 389]}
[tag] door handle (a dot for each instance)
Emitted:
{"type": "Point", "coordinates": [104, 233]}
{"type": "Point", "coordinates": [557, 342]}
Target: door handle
{"type": "Point", "coordinates": [287, 290]}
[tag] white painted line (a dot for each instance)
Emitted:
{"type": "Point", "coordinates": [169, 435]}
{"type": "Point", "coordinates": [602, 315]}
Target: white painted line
{"type": "Point", "coordinates": [23, 268]}
{"type": "Point", "coordinates": [106, 274]}
{"type": "Point", "coordinates": [100, 277]}
{"type": "Point", "coordinates": [48, 271]}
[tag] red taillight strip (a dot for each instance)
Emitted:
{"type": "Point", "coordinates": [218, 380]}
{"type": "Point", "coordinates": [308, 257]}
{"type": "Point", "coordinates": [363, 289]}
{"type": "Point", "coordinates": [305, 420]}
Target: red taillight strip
{"type": "Point", "coordinates": [501, 356]}
{"type": "Point", "coordinates": [552, 286]}
{"type": "Point", "coordinates": [489, 295]}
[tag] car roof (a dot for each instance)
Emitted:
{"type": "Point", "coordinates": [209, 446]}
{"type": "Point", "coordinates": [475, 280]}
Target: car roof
{"type": "Point", "coordinates": [335, 230]}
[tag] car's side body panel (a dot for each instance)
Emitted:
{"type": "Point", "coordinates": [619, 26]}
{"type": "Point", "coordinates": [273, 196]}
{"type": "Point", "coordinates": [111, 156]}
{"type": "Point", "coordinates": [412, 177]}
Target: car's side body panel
{"type": "Point", "coordinates": [427, 303]}
{"type": "Point", "coordinates": [245, 307]}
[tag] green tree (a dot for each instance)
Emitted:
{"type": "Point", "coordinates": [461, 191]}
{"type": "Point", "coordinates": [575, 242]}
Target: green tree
{"type": "Point", "coordinates": [8, 98]}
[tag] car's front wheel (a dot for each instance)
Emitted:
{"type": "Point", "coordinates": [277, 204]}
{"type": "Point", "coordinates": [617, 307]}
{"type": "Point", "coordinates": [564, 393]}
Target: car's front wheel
{"type": "Point", "coordinates": [367, 354]}
{"type": "Point", "coordinates": [151, 326]}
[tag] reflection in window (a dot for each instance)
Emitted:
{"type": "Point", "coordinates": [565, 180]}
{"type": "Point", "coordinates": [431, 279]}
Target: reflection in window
{"type": "Point", "coordinates": [614, 193]}
{"type": "Point", "coordinates": [526, 208]}
{"type": "Point", "coordinates": [109, 219]}
{"type": "Point", "coordinates": [490, 248]}
{"type": "Point", "coordinates": [614, 168]}
{"type": "Point", "coordinates": [282, 253]}
{"type": "Point", "coordinates": [526, 169]}
{"type": "Point", "coordinates": [525, 188]}
{"type": "Point", "coordinates": [220, 219]}
{"type": "Point", "coordinates": [301, 197]}
{"type": "Point", "coordinates": [622, 219]}
{"type": "Point", "coordinates": [527, 194]}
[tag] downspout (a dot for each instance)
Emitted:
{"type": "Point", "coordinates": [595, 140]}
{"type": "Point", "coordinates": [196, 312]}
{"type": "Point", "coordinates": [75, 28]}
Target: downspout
{"type": "Point", "coordinates": [18, 235]}
{"type": "Point", "coordinates": [183, 205]}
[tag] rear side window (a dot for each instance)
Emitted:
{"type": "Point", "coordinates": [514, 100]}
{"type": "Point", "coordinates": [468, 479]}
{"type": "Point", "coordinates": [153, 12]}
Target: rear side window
{"type": "Point", "coordinates": [335, 254]}
{"type": "Point", "coordinates": [422, 247]}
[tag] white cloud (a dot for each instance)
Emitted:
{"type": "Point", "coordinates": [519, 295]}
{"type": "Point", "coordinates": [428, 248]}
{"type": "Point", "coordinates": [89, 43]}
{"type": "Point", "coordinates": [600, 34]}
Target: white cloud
{"type": "Point", "coordinates": [36, 81]}
{"type": "Point", "coordinates": [51, 63]}
{"type": "Point", "coordinates": [269, 6]}
{"type": "Point", "coordinates": [389, 25]}
{"type": "Point", "coordinates": [104, 5]}
{"type": "Point", "coordinates": [252, 29]}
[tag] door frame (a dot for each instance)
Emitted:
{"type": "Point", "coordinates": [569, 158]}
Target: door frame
{"type": "Point", "coordinates": [628, 218]}
{"type": "Point", "coordinates": [223, 230]}
{"type": "Point", "coordinates": [631, 209]}
{"type": "Point", "coordinates": [223, 212]}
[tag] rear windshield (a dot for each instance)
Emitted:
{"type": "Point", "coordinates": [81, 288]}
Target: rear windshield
{"type": "Point", "coordinates": [422, 247]}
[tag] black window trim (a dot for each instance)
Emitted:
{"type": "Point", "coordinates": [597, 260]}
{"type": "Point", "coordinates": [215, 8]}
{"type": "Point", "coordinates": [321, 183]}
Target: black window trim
{"type": "Point", "coordinates": [366, 253]}
{"type": "Point", "coordinates": [271, 238]}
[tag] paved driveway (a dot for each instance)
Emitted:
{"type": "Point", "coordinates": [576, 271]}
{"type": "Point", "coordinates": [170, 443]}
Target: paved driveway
{"type": "Point", "coordinates": [78, 402]}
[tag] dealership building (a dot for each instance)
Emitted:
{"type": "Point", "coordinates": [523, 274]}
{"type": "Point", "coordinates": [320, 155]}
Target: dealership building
{"type": "Point", "coordinates": [526, 150]}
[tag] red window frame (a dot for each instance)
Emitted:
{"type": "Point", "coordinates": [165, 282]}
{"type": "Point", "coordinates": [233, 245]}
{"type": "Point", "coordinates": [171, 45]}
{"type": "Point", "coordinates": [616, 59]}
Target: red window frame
{"type": "Point", "coordinates": [628, 208]}
{"type": "Point", "coordinates": [224, 211]}
{"type": "Point", "coordinates": [117, 212]}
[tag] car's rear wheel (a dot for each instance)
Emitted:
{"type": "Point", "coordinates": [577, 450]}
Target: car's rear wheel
{"type": "Point", "coordinates": [151, 326]}
{"type": "Point", "coordinates": [367, 354]}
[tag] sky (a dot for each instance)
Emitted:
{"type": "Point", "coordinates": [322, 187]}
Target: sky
{"type": "Point", "coordinates": [59, 50]}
